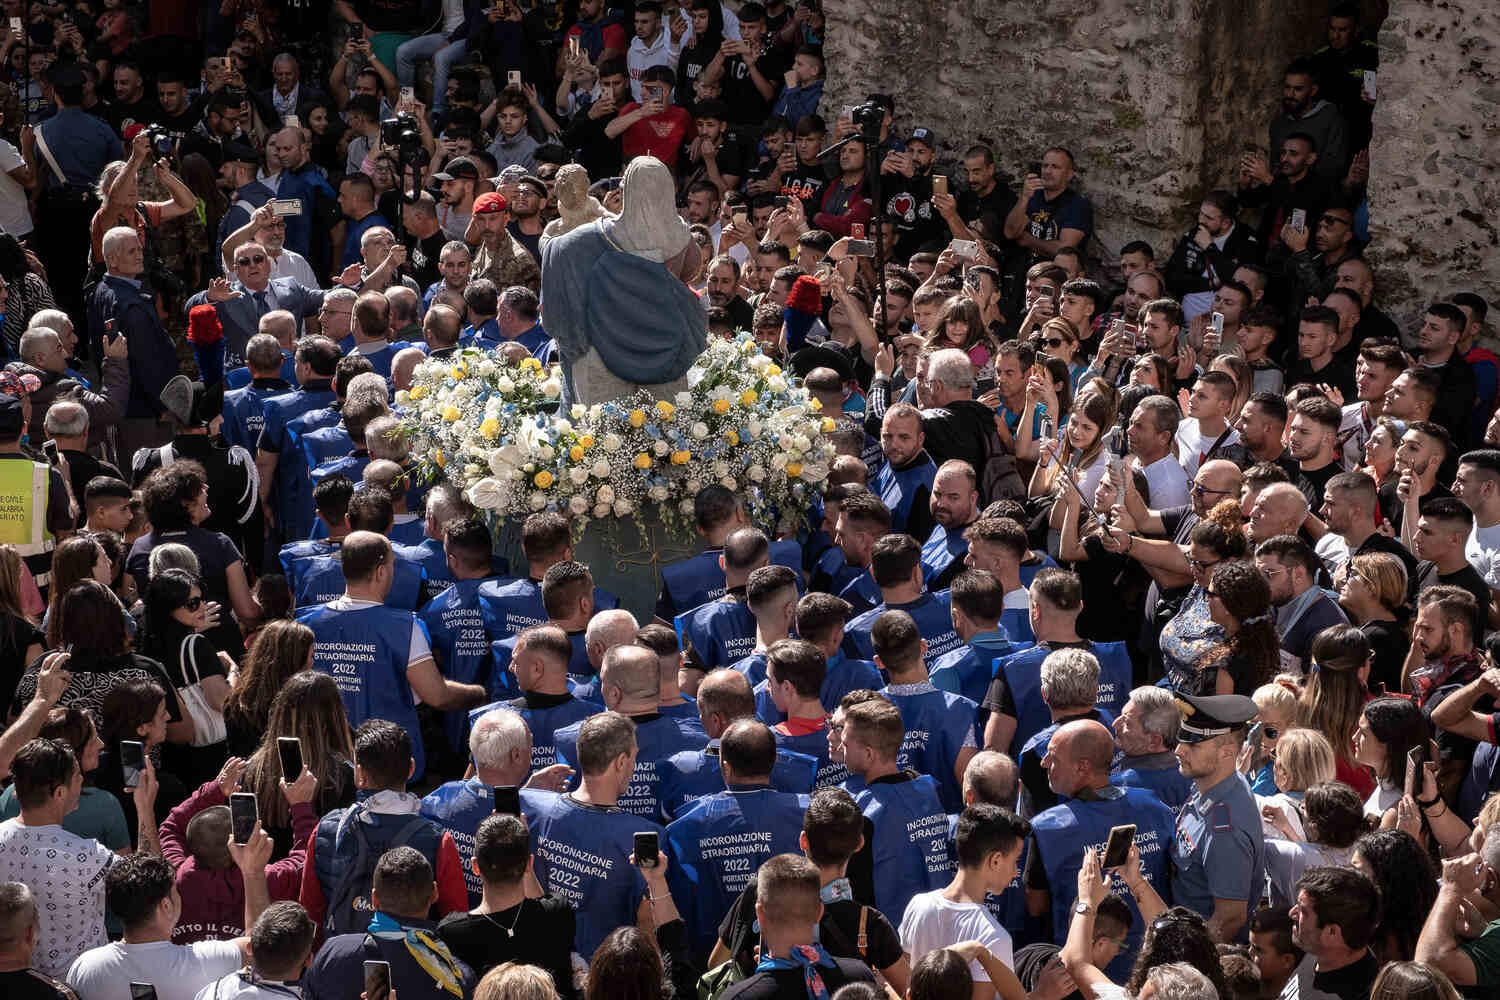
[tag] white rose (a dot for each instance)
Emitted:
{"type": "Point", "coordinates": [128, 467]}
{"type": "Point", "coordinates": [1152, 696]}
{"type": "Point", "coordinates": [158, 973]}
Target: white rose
{"type": "Point", "coordinates": [552, 388]}
{"type": "Point", "coordinates": [538, 501]}
{"type": "Point", "coordinates": [728, 483]}
{"type": "Point", "coordinates": [611, 443]}
{"type": "Point", "coordinates": [686, 506]}
{"type": "Point", "coordinates": [623, 508]}
{"type": "Point", "coordinates": [489, 494]}
{"type": "Point", "coordinates": [403, 397]}
{"type": "Point", "coordinates": [757, 474]}
{"type": "Point", "coordinates": [578, 505]}
{"type": "Point", "coordinates": [721, 469]}
{"type": "Point", "coordinates": [529, 467]}
{"type": "Point", "coordinates": [563, 426]}
{"type": "Point", "coordinates": [486, 368]}
{"type": "Point", "coordinates": [546, 453]}
{"type": "Point", "coordinates": [754, 427]}
{"type": "Point", "coordinates": [579, 475]}
{"type": "Point", "coordinates": [601, 469]}
{"type": "Point", "coordinates": [517, 475]}
{"type": "Point", "coordinates": [801, 443]}
{"type": "Point", "coordinates": [776, 384]}
{"type": "Point", "coordinates": [657, 493]}
{"type": "Point", "coordinates": [684, 399]}
{"type": "Point", "coordinates": [661, 448]}
{"type": "Point", "coordinates": [700, 430]}
{"type": "Point", "coordinates": [778, 461]}
{"type": "Point", "coordinates": [578, 411]}
{"type": "Point", "coordinates": [601, 510]}
{"type": "Point", "coordinates": [759, 363]}
{"type": "Point", "coordinates": [693, 486]}
{"type": "Point", "coordinates": [606, 494]}
{"type": "Point", "coordinates": [505, 385]}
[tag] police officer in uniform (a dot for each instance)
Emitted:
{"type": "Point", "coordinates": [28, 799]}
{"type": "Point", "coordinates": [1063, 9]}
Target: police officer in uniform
{"type": "Point", "coordinates": [35, 512]}
{"type": "Point", "coordinates": [1218, 854]}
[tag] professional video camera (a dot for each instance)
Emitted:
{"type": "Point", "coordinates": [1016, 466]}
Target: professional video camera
{"type": "Point", "coordinates": [163, 141]}
{"type": "Point", "coordinates": [402, 134]}
{"type": "Point", "coordinates": [869, 116]}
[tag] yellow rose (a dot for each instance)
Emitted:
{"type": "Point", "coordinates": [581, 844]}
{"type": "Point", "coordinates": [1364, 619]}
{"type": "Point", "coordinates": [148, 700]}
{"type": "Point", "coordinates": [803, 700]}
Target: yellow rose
{"type": "Point", "coordinates": [451, 413]}
{"type": "Point", "coordinates": [666, 409]}
{"type": "Point", "coordinates": [531, 364]}
{"type": "Point", "coordinates": [748, 397]}
{"type": "Point", "coordinates": [490, 428]}
{"type": "Point", "coordinates": [575, 453]}
{"type": "Point", "coordinates": [418, 391]}
{"type": "Point", "coordinates": [828, 425]}
{"type": "Point", "coordinates": [730, 437]}
{"type": "Point", "coordinates": [793, 469]}
{"type": "Point", "coordinates": [643, 461]}
{"type": "Point", "coordinates": [587, 441]}
{"type": "Point", "coordinates": [637, 418]}
{"type": "Point", "coordinates": [437, 456]}
{"type": "Point", "coordinates": [815, 404]}
{"type": "Point", "coordinates": [543, 479]}
{"type": "Point", "coordinates": [681, 457]}
{"type": "Point", "coordinates": [721, 406]}
{"type": "Point", "coordinates": [773, 370]}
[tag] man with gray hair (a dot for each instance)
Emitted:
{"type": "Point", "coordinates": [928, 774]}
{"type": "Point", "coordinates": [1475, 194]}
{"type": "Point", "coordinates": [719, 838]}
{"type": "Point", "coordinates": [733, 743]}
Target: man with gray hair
{"type": "Point", "coordinates": [244, 407]}
{"type": "Point", "coordinates": [1070, 687]}
{"type": "Point", "coordinates": [20, 926]}
{"type": "Point", "coordinates": [120, 309]}
{"type": "Point", "coordinates": [404, 365]}
{"type": "Point", "coordinates": [45, 353]}
{"type": "Point", "coordinates": [630, 684]}
{"type": "Point", "coordinates": [1146, 735]}
{"type": "Point", "coordinates": [956, 426]}
{"type": "Point", "coordinates": [269, 230]}
{"type": "Point", "coordinates": [500, 745]}
{"type": "Point", "coordinates": [67, 423]}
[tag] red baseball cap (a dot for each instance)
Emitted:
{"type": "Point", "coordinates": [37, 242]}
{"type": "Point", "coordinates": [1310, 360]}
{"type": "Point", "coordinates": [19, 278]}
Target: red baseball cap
{"type": "Point", "coordinates": [490, 201]}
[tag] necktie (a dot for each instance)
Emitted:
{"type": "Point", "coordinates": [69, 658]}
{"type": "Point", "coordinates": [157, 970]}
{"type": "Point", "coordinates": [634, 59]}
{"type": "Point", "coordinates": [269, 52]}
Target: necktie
{"type": "Point", "coordinates": [261, 306]}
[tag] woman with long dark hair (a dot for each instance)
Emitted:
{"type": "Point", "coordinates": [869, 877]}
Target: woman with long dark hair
{"type": "Point", "coordinates": [78, 558]}
{"type": "Point", "coordinates": [1388, 730]}
{"type": "Point", "coordinates": [98, 814]}
{"type": "Point", "coordinates": [136, 710]}
{"type": "Point", "coordinates": [27, 293]}
{"type": "Point", "coordinates": [176, 617]}
{"type": "Point", "coordinates": [279, 650]}
{"type": "Point", "coordinates": [1192, 634]}
{"type": "Point", "coordinates": [1239, 602]}
{"type": "Point", "coordinates": [1403, 871]}
{"type": "Point", "coordinates": [20, 640]}
{"type": "Point", "coordinates": [1335, 695]}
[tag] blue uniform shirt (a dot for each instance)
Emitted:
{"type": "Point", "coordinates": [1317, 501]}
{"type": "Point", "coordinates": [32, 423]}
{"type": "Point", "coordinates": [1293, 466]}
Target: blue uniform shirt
{"type": "Point", "coordinates": [582, 856]}
{"type": "Point", "coordinates": [245, 411]}
{"type": "Point", "coordinates": [1219, 850]}
{"type": "Point", "coordinates": [460, 645]}
{"type": "Point", "coordinates": [938, 725]}
{"type": "Point", "coordinates": [545, 714]}
{"type": "Point", "coordinates": [656, 738]}
{"type": "Point", "coordinates": [910, 846]}
{"type": "Point", "coordinates": [906, 491]}
{"type": "Point", "coordinates": [293, 492]}
{"type": "Point", "coordinates": [691, 774]}
{"type": "Point", "coordinates": [1158, 774]}
{"type": "Point", "coordinates": [814, 744]}
{"type": "Point", "coordinates": [699, 579]}
{"type": "Point", "coordinates": [459, 807]}
{"type": "Point", "coordinates": [943, 556]}
{"type": "Point", "coordinates": [1023, 685]}
{"type": "Point", "coordinates": [512, 606]}
{"type": "Point", "coordinates": [969, 669]}
{"type": "Point", "coordinates": [842, 676]}
{"type": "Point", "coordinates": [238, 378]}
{"type": "Point", "coordinates": [934, 623]}
{"type": "Point", "coordinates": [718, 633]}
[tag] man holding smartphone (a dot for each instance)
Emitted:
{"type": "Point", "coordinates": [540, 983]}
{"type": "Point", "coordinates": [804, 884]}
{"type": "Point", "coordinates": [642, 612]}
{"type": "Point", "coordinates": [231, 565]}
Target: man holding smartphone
{"type": "Point", "coordinates": [656, 127]}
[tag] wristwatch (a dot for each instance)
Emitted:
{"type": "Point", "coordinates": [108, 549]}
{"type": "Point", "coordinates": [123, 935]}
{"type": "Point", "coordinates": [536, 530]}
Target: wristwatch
{"type": "Point", "coordinates": [1083, 906]}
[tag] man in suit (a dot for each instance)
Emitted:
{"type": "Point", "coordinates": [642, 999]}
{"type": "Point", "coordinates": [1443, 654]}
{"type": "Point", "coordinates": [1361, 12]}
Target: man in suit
{"type": "Point", "coordinates": [288, 93]}
{"type": "Point", "coordinates": [241, 303]}
{"type": "Point", "coordinates": [119, 308]}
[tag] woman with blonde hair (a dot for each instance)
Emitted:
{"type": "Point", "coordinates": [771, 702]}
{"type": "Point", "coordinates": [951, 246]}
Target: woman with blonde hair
{"type": "Point", "coordinates": [1373, 589]}
{"type": "Point", "coordinates": [1238, 369]}
{"type": "Point", "coordinates": [1276, 712]}
{"type": "Point", "coordinates": [308, 707]}
{"type": "Point", "coordinates": [1335, 695]}
{"type": "Point", "coordinates": [20, 640]}
{"type": "Point", "coordinates": [516, 981]}
{"type": "Point", "coordinates": [1303, 759]}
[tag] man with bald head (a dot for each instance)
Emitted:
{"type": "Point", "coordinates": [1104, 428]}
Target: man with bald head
{"type": "Point", "coordinates": [276, 181]}
{"type": "Point", "coordinates": [1215, 481]}
{"type": "Point", "coordinates": [629, 685]}
{"type": "Point", "coordinates": [1354, 274]}
{"type": "Point", "coordinates": [440, 329]}
{"type": "Point", "coordinates": [1078, 763]}
{"type": "Point", "coordinates": [724, 698]}
{"type": "Point", "coordinates": [379, 655]}
{"type": "Point", "coordinates": [403, 365]}
{"type": "Point", "coordinates": [1281, 509]}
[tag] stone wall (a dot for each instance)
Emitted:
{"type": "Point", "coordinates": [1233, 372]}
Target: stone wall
{"type": "Point", "coordinates": [1154, 97]}
{"type": "Point", "coordinates": [1434, 185]}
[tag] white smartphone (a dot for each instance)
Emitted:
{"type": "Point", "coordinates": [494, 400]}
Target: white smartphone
{"type": "Point", "coordinates": [513, 78]}
{"type": "Point", "coordinates": [15, 26]}
{"type": "Point", "coordinates": [408, 93]}
{"type": "Point", "coordinates": [1299, 219]}
{"type": "Point", "coordinates": [1217, 321]}
{"type": "Point", "coordinates": [291, 121]}
{"type": "Point", "coordinates": [1367, 82]}
{"type": "Point", "coordinates": [281, 207]}
{"type": "Point", "coordinates": [966, 248]}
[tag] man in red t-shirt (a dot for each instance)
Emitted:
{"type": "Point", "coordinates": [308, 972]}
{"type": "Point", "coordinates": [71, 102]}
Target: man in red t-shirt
{"type": "Point", "coordinates": [600, 34]}
{"type": "Point", "coordinates": [656, 127]}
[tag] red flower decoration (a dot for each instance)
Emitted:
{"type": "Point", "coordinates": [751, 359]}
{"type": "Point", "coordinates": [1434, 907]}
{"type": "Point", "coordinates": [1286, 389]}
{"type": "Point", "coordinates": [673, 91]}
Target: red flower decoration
{"type": "Point", "coordinates": [203, 326]}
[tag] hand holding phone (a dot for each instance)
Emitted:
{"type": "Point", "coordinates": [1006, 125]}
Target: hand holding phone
{"type": "Point", "coordinates": [1117, 848]}
{"type": "Point", "coordinates": [132, 761]}
{"type": "Point", "coordinates": [377, 980]}
{"type": "Point", "coordinates": [243, 814]}
{"type": "Point", "coordinates": [289, 749]}
{"type": "Point", "coordinates": [507, 799]}
{"type": "Point", "coordinates": [647, 850]}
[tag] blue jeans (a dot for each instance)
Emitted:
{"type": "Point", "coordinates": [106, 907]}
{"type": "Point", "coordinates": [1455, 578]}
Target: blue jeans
{"type": "Point", "coordinates": [443, 55]}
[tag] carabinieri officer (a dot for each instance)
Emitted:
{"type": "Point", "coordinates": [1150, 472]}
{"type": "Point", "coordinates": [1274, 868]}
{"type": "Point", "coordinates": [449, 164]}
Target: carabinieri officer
{"type": "Point", "coordinates": [1218, 854]}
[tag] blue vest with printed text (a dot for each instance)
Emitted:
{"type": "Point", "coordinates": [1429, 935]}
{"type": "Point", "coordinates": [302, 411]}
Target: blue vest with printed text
{"type": "Point", "coordinates": [910, 848]}
{"type": "Point", "coordinates": [842, 676]}
{"type": "Point", "coordinates": [655, 740]}
{"type": "Point", "coordinates": [934, 623]}
{"type": "Point", "coordinates": [720, 632]}
{"type": "Point", "coordinates": [460, 645]}
{"type": "Point", "coordinates": [690, 775]}
{"type": "Point", "coordinates": [937, 723]}
{"type": "Point", "coordinates": [1023, 676]}
{"type": "Point", "coordinates": [458, 807]}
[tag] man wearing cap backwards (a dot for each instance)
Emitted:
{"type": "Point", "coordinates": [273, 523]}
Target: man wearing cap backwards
{"type": "Point", "coordinates": [460, 178]}
{"type": "Point", "coordinates": [501, 258]}
{"type": "Point", "coordinates": [616, 302]}
{"type": "Point", "coordinates": [1218, 855]}
{"type": "Point", "coordinates": [32, 530]}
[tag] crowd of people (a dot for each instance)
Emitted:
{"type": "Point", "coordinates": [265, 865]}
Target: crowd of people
{"type": "Point", "coordinates": [1143, 642]}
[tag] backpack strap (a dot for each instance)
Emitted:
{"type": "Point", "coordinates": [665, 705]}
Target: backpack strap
{"type": "Point", "coordinates": [863, 941]}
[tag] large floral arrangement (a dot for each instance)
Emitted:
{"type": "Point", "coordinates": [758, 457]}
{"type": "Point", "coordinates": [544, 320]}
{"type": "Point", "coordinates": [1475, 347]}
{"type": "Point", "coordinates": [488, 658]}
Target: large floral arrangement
{"type": "Point", "coordinates": [485, 426]}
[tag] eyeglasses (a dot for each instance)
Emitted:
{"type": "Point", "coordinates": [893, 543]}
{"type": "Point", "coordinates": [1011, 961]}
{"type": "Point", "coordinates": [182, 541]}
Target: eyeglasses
{"type": "Point", "coordinates": [259, 258]}
{"type": "Point", "coordinates": [1200, 490]}
{"type": "Point", "coordinates": [325, 311]}
{"type": "Point", "coordinates": [1199, 565]}
{"type": "Point", "coordinates": [1055, 342]}
{"type": "Point", "coordinates": [193, 603]}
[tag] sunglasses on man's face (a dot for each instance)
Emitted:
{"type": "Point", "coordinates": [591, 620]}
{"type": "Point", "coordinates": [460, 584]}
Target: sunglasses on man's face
{"type": "Point", "coordinates": [259, 258]}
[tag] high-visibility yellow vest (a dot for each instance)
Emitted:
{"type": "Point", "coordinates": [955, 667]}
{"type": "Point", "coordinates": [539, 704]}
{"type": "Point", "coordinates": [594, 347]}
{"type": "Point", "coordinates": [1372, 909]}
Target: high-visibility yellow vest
{"type": "Point", "coordinates": [23, 511]}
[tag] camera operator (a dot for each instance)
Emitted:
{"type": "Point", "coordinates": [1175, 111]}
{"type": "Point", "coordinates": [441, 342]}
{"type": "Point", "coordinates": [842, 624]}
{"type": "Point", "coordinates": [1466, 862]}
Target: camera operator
{"type": "Point", "coordinates": [118, 192]}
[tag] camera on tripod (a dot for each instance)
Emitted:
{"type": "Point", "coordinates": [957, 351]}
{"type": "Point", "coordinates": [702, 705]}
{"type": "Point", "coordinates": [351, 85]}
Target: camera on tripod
{"type": "Point", "coordinates": [402, 134]}
{"type": "Point", "coordinates": [869, 116]}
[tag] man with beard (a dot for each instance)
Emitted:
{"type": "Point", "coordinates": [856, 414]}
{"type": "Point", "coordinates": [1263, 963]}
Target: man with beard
{"type": "Point", "coordinates": [1218, 854]}
{"type": "Point", "coordinates": [904, 483]}
{"type": "Point", "coordinates": [179, 114]}
{"type": "Point", "coordinates": [1334, 921]}
{"type": "Point", "coordinates": [1313, 443]}
{"type": "Point", "coordinates": [1378, 366]}
{"type": "Point", "coordinates": [985, 202]}
{"type": "Point", "coordinates": [1317, 333]}
{"type": "Point", "coordinates": [131, 105]}
{"type": "Point", "coordinates": [846, 202]}
{"type": "Point", "coordinates": [1303, 609]}
{"type": "Point", "coordinates": [424, 239]}
{"type": "Point", "coordinates": [1303, 110]}
{"type": "Point", "coordinates": [1261, 423]}
{"type": "Point", "coordinates": [723, 291]}
{"type": "Point", "coordinates": [1209, 255]}
{"type": "Point", "coordinates": [1421, 455]}
{"type": "Point", "coordinates": [459, 178]}
{"type": "Point", "coordinates": [712, 157]}
{"type": "Point", "coordinates": [1442, 328]}
{"type": "Point", "coordinates": [526, 214]}
{"type": "Point", "coordinates": [501, 257]}
{"type": "Point", "coordinates": [1349, 511]}
{"type": "Point", "coordinates": [1412, 395]}
{"type": "Point", "coordinates": [954, 503]}
{"type": "Point", "coordinates": [1294, 185]}
{"type": "Point", "coordinates": [1050, 214]}
{"type": "Point", "coordinates": [906, 183]}
{"type": "Point", "coordinates": [1314, 270]}
{"type": "Point", "coordinates": [802, 175]}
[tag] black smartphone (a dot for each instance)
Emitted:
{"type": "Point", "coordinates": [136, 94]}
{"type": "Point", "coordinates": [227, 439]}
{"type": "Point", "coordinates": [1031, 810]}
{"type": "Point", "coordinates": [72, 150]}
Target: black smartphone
{"type": "Point", "coordinates": [377, 980]}
{"type": "Point", "coordinates": [1117, 848]}
{"type": "Point", "coordinates": [647, 850]}
{"type": "Point", "coordinates": [507, 799]}
{"type": "Point", "coordinates": [289, 748]}
{"type": "Point", "coordinates": [357, 32]}
{"type": "Point", "coordinates": [1035, 168]}
{"type": "Point", "coordinates": [109, 331]}
{"type": "Point", "coordinates": [142, 991]}
{"type": "Point", "coordinates": [780, 201]}
{"type": "Point", "coordinates": [132, 761]}
{"type": "Point", "coordinates": [243, 812]}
